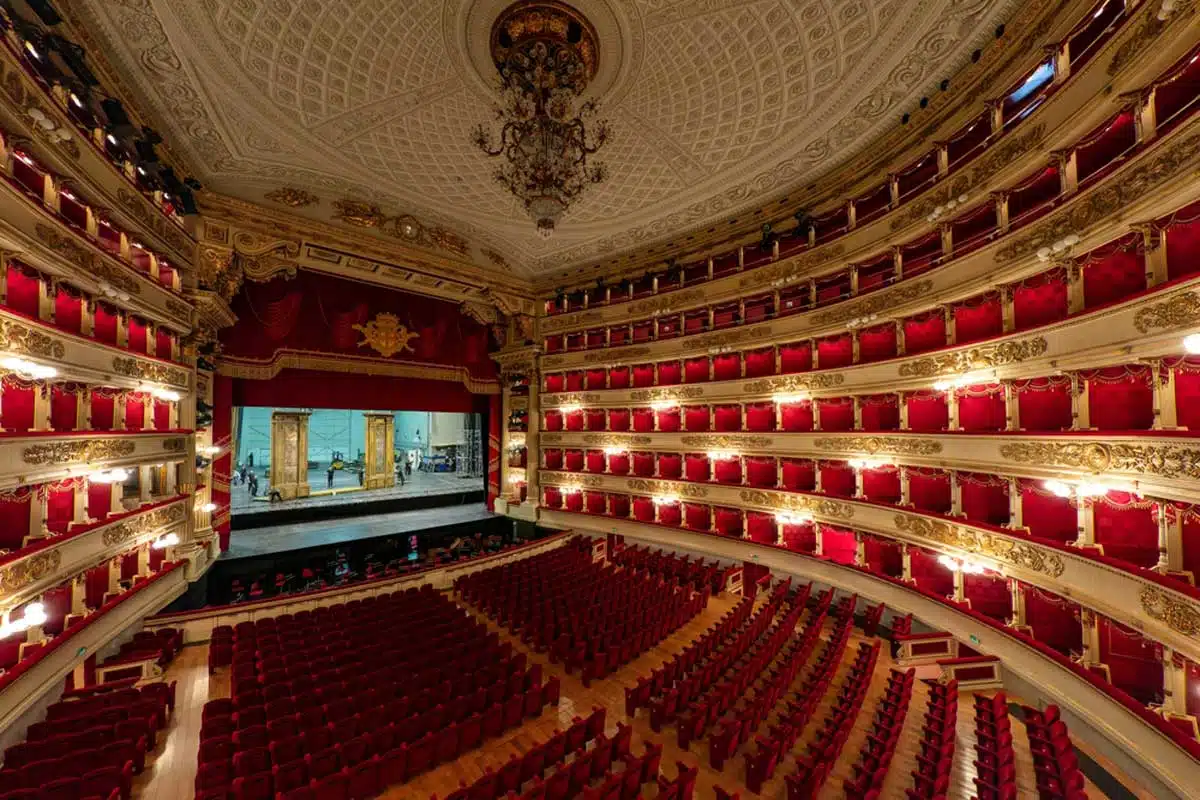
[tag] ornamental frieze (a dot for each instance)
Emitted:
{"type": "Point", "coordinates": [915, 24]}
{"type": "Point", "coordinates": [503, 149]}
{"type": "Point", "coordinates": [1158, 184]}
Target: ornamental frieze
{"type": "Point", "coordinates": [1145, 34]}
{"type": "Point", "coordinates": [156, 373]}
{"type": "Point", "coordinates": [666, 487]}
{"type": "Point", "coordinates": [782, 501]}
{"type": "Point", "coordinates": [665, 302]}
{"type": "Point", "coordinates": [787, 271]}
{"type": "Point", "coordinates": [85, 259]}
{"type": "Point", "coordinates": [736, 336]}
{"type": "Point", "coordinates": [17, 338]}
{"type": "Point", "coordinates": [683, 393]}
{"type": "Point", "coordinates": [174, 445]}
{"type": "Point", "coordinates": [597, 356]}
{"type": "Point", "coordinates": [888, 445]}
{"type": "Point", "coordinates": [558, 323]}
{"type": "Point", "coordinates": [28, 571]}
{"type": "Point", "coordinates": [569, 479]}
{"type": "Point", "coordinates": [72, 452]}
{"type": "Point", "coordinates": [1177, 613]}
{"type": "Point", "coordinates": [1000, 548]}
{"type": "Point", "coordinates": [550, 438]}
{"type": "Point", "coordinates": [873, 303]}
{"type": "Point", "coordinates": [982, 357]}
{"type": "Point", "coordinates": [142, 524]}
{"type": "Point", "coordinates": [612, 440]}
{"type": "Point", "coordinates": [570, 399]}
{"type": "Point", "coordinates": [795, 383]}
{"type": "Point", "coordinates": [726, 442]}
{"type": "Point", "coordinates": [1108, 202]}
{"type": "Point", "coordinates": [1179, 311]}
{"type": "Point", "coordinates": [1167, 461]}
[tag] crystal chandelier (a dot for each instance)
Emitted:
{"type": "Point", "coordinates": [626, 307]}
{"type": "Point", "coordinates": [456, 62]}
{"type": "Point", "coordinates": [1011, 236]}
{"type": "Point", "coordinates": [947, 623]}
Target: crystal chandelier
{"type": "Point", "coordinates": [546, 55]}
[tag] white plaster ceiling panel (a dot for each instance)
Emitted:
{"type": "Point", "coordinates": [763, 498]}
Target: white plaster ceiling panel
{"type": "Point", "coordinates": [715, 105]}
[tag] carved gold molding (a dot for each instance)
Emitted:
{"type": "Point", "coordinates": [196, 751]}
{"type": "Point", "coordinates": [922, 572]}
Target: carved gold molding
{"type": "Point", "coordinates": [1167, 461]}
{"type": "Point", "coordinates": [735, 336]}
{"type": "Point", "coordinates": [570, 399]}
{"type": "Point", "coordinates": [873, 303]}
{"type": "Point", "coordinates": [596, 357]}
{"type": "Point", "coordinates": [293, 359]}
{"type": "Point", "coordinates": [386, 336]}
{"type": "Point", "coordinates": [143, 523]}
{"type": "Point", "coordinates": [982, 357]}
{"type": "Point", "coordinates": [1000, 548]}
{"type": "Point", "coordinates": [726, 442]}
{"type": "Point", "coordinates": [1178, 614]}
{"type": "Point", "coordinates": [888, 445]}
{"type": "Point", "coordinates": [569, 479]}
{"type": "Point", "coordinates": [157, 373]}
{"type": "Point", "coordinates": [291, 197]}
{"type": "Point", "coordinates": [790, 269]}
{"type": "Point", "coordinates": [81, 256]}
{"type": "Point", "coordinates": [606, 439]}
{"type": "Point", "coordinates": [71, 452]}
{"type": "Point", "coordinates": [831, 509]}
{"type": "Point", "coordinates": [682, 393]}
{"type": "Point", "coordinates": [795, 383]}
{"type": "Point", "coordinates": [666, 487]}
{"type": "Point", "coordinates": [28, 571]}
{"type": "Point", "coordinates": [1180, 311]}
{"type": "Point", "coordinates": [18, 338]}
{"type": "Point", "coordinates": [656, 305]}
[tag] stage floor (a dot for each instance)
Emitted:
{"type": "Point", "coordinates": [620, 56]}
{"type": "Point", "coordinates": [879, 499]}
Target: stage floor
{"type": "Point", "coordinates": [274, 539]}
{"type": "Point", "coordinates": [346, 490]}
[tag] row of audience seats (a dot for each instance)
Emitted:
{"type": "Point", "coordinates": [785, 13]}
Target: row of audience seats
{"type": "Point", "coordinates": [160, 646]}
{"type": "Point", "coordinates": [890, 712]}
{"type": "Point", "coordinates": [701, 575]}
{"type": "Point", "coordinates": [931, 778]}
{"type": "Point", "coordinates": [1054, 761]}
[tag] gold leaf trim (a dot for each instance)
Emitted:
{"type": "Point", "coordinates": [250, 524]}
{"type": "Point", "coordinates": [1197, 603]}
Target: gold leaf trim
{"type": "Point", "coordinates": [1168, 461]}
{"type": "Point", "coordinates": [988, 355]}
{"type": "Point", "coordinates": [292, 198]}
{"type": "Point", "coordinates": [666, 487]}
{"type": "Point", "coordinates": [157, 373]}
{"type": "Point", "coordinates": [726, 442]}
{"type": "Point", "coordinates": [1000, 548]}
{"type": "Point", "coordinates": [790, 502]}
{"type": "Point", "coordinates": [597, 356]}
{"type": "Point", "coordinates": [19, 338]}
{"type": "Point", "coordinates": [643, 395]}
{"type": "Point", "coordinates": [871, 445]}
{"type": "Point", "coordinates": [737, 336]}
{"type": "Point", "coordinates": [1178, 614]}
{"type": "Point", "coordinates": [71, 452]}
{"type": "Point", "coordinates": [142, 524]}
{"type": "Point", "coordinates": [361, 365]}
{"type": "Point", "coordinates": [794, 383]}
{"type": "Point", "coordinates": [29, 571]}
{"type": "Point", "coordinates": [1180, 311]}
{"type": "Point", "coordinates": [791, 269]}
{"type": "Point", "coordinates": [570, 479]}
{"type": "Point", "coordinates": [552, 400]}
{"type": "Point", "coordinates": [873, 303]}
{"type": "Point", "coordinates": [561, 323]}
{"type": "Point", "coordinates": [665, 302]}
{"type": "Point", "coordinates": [614, 439]}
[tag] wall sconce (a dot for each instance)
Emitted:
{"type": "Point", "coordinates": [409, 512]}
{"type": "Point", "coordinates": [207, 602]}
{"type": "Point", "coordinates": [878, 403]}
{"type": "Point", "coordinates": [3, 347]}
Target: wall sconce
{"type": "Point", "coordinates": [666, 499]}
{"type": "Point", "coordinates": [35, 614]}
{"type": "Point", "coordinates": [571, 409]}
{"type": "Point", "coordinates": [615, 450]}
{"type": "Point", "coordinates": [790, 399]}
{"type": "Point", "coordinates": [664, 405]}
{"type": "Point", "coordinates": [967, 566]}
{"type": "Point", "coordinates": [793, 518]}
{"type": "Point", "coordinates": [170, 540]}
{"type": "Point", "coordinates": [721, 455]}
{"type": "Point", "coordinates": [208, 508]}
{"type": "Point", "coordinates": [109, 476]}
{"type": "Point", "coordinates": [28, 370]}
{"type": "Point", "coordinates": [867, 463]}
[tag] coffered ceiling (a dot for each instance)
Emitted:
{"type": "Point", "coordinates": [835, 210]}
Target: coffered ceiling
{"type": "Point", "coordinates": [714, 106]}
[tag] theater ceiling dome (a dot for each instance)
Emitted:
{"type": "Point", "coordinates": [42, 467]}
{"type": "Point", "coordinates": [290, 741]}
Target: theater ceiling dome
{"type": "Point", "coordinates": [713, 105]}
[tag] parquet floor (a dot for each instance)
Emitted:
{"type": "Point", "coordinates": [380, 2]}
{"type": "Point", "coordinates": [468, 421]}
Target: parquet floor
{"type": "Point", "coordinates": [171, 771]}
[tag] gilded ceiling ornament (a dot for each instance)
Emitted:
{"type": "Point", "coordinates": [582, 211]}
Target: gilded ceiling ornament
{"type": "Point", "coordinates": [1167, 461]}
{"type": "Point", "coordinates": [666, 487]}
{"type": "Point", "coordinates": [1001, 548]}
{"type": "Point", "coordinates": [496, 259]}
{"type": "Point", "coordinates": [291, 197]}
{"type": "Point", "coordinates": [785, 501]}
{"type": "Point", "coordinates": [1177, 613]}
{"type": "Point", "coordinates": [888, 445]}
{"type": "Point", "coordinates": [614, 439]}
{"type": "Point", "coordinates": [795, 383]}
{"type": "Point", "coordinates": [790, 269]}
{"type": "Point", "coordinates": [17, 338]}
{"type": "Point", "coordinates": [982, 357]}
{"type": "Point", "coordinates": [30, 570]}
{"type": "Point", "coordinates": [736, 336]}
{"type": "Point", "coordinates": [386, 336]}
{"type": "Point", "coordinates": [726, 442]}
{"type": "Point", "coordinates": [142, 524]}
{"type": "Point", "coordinates": [75, 451]}
{"type": "Point", "coordinates": [156, 373]}
{"type": "Point", "coordinates": [217, 271]}
{"type": "Point", "coordinates": [682, 393]}
{"type": "Point", "coordinates": [1179, 311]}
{"type": "Point", "coordinates": [874, 303]}
{"type": "Point", "coordinates": [400, 226]}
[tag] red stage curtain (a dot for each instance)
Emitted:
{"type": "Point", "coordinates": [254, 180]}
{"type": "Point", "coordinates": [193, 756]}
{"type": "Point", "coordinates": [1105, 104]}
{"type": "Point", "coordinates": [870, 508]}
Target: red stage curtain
{"type": "Point", "coordinates": [574, 420]}
{"type": "Point", "coordinates": [981, 408]}
{"type": "Point", "coordinates": [877, 343]}
{"type": "Point", "coordinates": [883, 556]}
{"type": "Point", "coordinates": [800, 538]}
{"type": "Point", "coordinates": [618, 506]}
{"type": "Point", "coordinates": [924, 332]}
{"type": "Point", "coordinates": [727, 418]}
{"type": "Point", "coordinates": [14, 517]}
{"type": "Point", "coordinates": [162, 415]}
{"type": "Point", "coordinates": [799, 475]}
{"type": "Point", "coordinates": [880, 412]}
{"type": "Point", "coordinates": [16, 403]}
{"type": "Point", "coordinates": [1114, 271]}
{"type": "Point", "coordinates": [836, 414]}
{"type": "Point", "coordinates": [1187, 392]}
{"type": "Point", "coordinates": [835, 351]}
{"type": "Point", "coordinates": [593, 419]}
{"type": "Point", "coordinates": [882, 485]}
{"type": "Point", "coordinates": [696, 467]}
{"type": "Point", "coordinates": [929, 574]}
{"type": "Point", "coordinates": [989, 595]}
{"type": "Point", "coordinates": [137, 334]}
{"type": "Point", "coordinates": [761, 471]}
{"type": "Point", "coordinates": [978, 318]}
{"type": "Point", "coordinates": [1040, 299]}
{"type": "Point", "coordinates": [573, 502]}
{"type": "Point", "coordinates": [795, 357]}
{"type": "Point", "coordinates": [695, 370]}
{"type": "Point", "coordinates": [697, 517]}
{"type": "Point", "coordinates": [573, 460]}
{"type": "Point", "coordinates": [593, 461]}
{"type": "Point", "coordinates": [68, 309]}
{"type": "Point", "coordinates": [760, 527]}
{"type": "Point", "coordinates": [1044, 404]}
{"type": "Point", "coordinates": [760, 362]}
{"type": "Point", "coordinates": [929, 490]}
{"type": "Point", "coordinates": [837, 479]}
{"type": "Point", "coordinates": [760, 416]}
{"type": "Point", "coordinates": [1053, 620]}
{"type": "Point", "coordinates": [838, 545]}
{"type": "Point", "coordinates": [797, 416]}
{"type": "Point", "coordinates": [670, 466]}
{"type": "Point", "coordinates": [618, 419]}
{"type": "Point", "coordinates": [984, 498]}
{"type": "Point", "coordinates": [1048, 516]}
{"type": "Point", "coordinates": [643, 420]}
{"type": "Point", "coordinates": [1191, 538]}
{"type": "Point", "coordinates": [727, 367]}
{"type": "Point", "coordinates": [727, 470]}
{"type": "Point", "coordinates": [104, 324]}
{"type": "Point", "coordinates": [553, 421]}
{"type": "Point", "coordinates": [595, 379]}
{"type": "Point", "coordinates": [728, 521]}
{"type": "Point", "coordinates": [643, 376]}
{"type": "Point", "coordinates": [643, 509]}
{"type": "Point", "coordinates": [1127, 528]}
{"type": "Point", "coordinates": [1120, 398]}
{"type": "Point", "coordinates": [555, 383]}
{"type": "Point", "coordinates": [22, 290]}
{"type": "Point", "coordinates": [927, 411]}
{"type": "Point", "coordinates": [595, 502]}
{"type": "Point", "coordinates": [618, 378]}
{"type": "Point", "coordinates": [1133, 661]}
{"type": "Point", "coordinates": [670, 373]}
{"type": "Point", "coordinates": [60, 504]}
{"type": "Point", "coordinates": [1182, 230]}
{"type": "Point", "coordinates": [669, 419]}
{"type": "Point", "coordinates": [643, 464]}
{"type": "Point", "coordinates": [64, 406]}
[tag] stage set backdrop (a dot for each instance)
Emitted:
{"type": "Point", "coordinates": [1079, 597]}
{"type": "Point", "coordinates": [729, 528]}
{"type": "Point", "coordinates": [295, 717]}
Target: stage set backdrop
{"type": "Point", "coordinates": [321, 341]}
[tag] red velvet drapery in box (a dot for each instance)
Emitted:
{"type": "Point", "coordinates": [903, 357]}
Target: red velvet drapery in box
{"type": "Point", "coordinates": [882, 485]}
{"type": "Point", "coordinates": [877, 343]}
{"type": "Point", "coordinates": [929, 490]}
{"type": "Point", "coordinates": [800, 538]}
{"type": "Point", "coordinates": [669, 419]}
{"type": "Point", "coordinates": [1048, 516]}
{"type": "Point", "coordinates": [573, 460]}
{"type": "Point", "coordinates": [727, 418]}
{"type": "Point", "coordinates": [60, 504]}
{"type": "Point", "coordinates": [929, 573]}
{"type": "Point", "coordinates": [1120, 398]}
{"type": "Point", "coordinates": [727, 367]}
{"type": "Point", "coordinates": [64, 406]}
{"type": "Point", "coordinates": [553, 458]}
{"type": "Point", "coordinates": [836, 414]}
{"type": "Point", "coordinates": [989, 595]}
{"type": "Point", "coordinates": [1182, 234]}
{"type": "Point", "coordinates": [643, 375]}
{"type": "Point", "coordinates": [552, 497]}
{"type": "Point", "coordinates": [137, 334]}
{"type": "Point", "coordinates": [984, 498]}
{"type": "Point", "coordinates": [99, 500]}
{"type": "Point", "coordinates": [573, 501]}
{"type": "Point", "coordinates": [618, 506]}
{"type": "Point", "coordinates": [981, 408]}
{"type": "Point", "coordinates": [135, 410]}
{"type": "Point", "coordinates": [883, 556]}
{"type": "Point", "coordinates": [618, 464]}
{"type": "Point", "coordinates": [670, 466]}
{"type": "Point", "coordinates": [760, 471]}
{"type": "Point", "coordinates": [1126, 527]}
{"type": "Point", "coordinates": [574, 420]}
{"type": "Point", "coordinates": [795, 357]}
{"type": "Point", "coordinates": [1133, 661]}
{"type": "Point", "coordinates": [799, 474]}
{"type": "Point", "coordinates": [670, 373]}
{"type": "Point", "coordinates": [728, 521]}
{"type": "Point", "coordinates": [760, 362]}
{"type": "Point", "coordinates": [595, 502]}
{"type": "Point", "coordinates": [695, 370]}
{"type": "Point", "coordinates": [927, 411]}
{"type": "Point", "coordinates": [1040, 299]}
{"type": "Point", "coordinates": [162, 343]}
{"type": "Point", "coordinates": [838, 544]}
{"type": "Point", "coordinates": [593, 461]}
{"type": "Point", "coordinates": [760, 416]}
{"type": "Point", "coordinates": [880, 412]}
{"type": "Point", "coordinates": [1044, 404]}
{"type": "Point", "coordinates": [1187, 391]}
{"type": "Point", "coordinates": [555, 383]}
{"type": "Point", "coordinates": [1114, 271]}
{"type": "Point", "coordinates": [697, 517]}
{"type": "Point", "coordinates": [643, 464]}
{"type": "Point", "coordinates": [837, 479]}
{"type": "Point", "coordinates": [22, 294]}
{"type": "Point", "coordinates": [68, 310]}
{"type": "Point", "coordinates": [16, 403]}
{"type": "Point", "coordinates": [553, 421]}
{"type": "Point", "coordinates": [1191, 538]}
{"type": "Point", "coordinates": [618, 378]}
{"type": "Point", "coordinates": [104, 324]}
{"type": "Point", "coordinates": [618, 419]}
{"type": "Point", "coordinates": [696, 467]}
{"type": "Point", "coordinates": [727, 470]}
{"type": "Point", "coordinates": [796, 416]}
{"type": "Point", "coordinates": [14, 517]}
{"type": "Point", "coordinates": [162, 415]}
{"type": "Point", "coordinates": [835, 351]}
{"type": "Point", "coordinates": [925, 332]}
{"type": "Point", "coordinates": [593, 419]}
{"type": "Point", "coordinates": [760, 527]}
{"type": "Point", "coordinates": [978, 318]}
{"type": "Point", "coordinates": [643, 420]}
{"type": "Point", "coordinates": [1053, 620]}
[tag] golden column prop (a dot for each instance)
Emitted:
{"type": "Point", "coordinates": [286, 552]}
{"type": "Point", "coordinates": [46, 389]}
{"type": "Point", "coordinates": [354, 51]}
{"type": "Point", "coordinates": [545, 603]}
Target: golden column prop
{"type": "Point", "coordinates": [289, 454]}
{"type": "Point", "coordinates": [381, 435]}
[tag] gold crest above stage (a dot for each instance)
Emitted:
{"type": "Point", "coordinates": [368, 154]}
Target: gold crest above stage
{"type": "Point", "coordinates": [386, 336]}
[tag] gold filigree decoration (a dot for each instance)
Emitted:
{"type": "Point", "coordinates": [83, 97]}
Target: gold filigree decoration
{"type": "Point", "coordinates": [496, 259]}
{"type": "Point", "coordinates": [72, 452]}
{"type": "Point", "coordinates": [400, 226]}
{"type": "Point", "coordinates": [217, 272]}
{"type": "Point", "coordinates": [142, 524]}
{"type": "Point", "coordinates": [30, 570]}
{"type": "Point", "coordinates": [783, 501]}
{"type": "Point", "coordinates": [1145, 34]}
{"type": "Point", "coordinates": [178, 309]}
{"type": "Point", "coordinates": [726, 442]}
{"type": "Point", "coordinates": [682, 393]}
{"type": "Point", "coordinates": [293, 198]}
{"type": "Point", "coordinates": [570, 479]}
{"type": "Point", "coordinates": [982, 357]}
{"type": "Point", "coordinates": [791, 269]}
{"type": "Point", "coordinates": [595, 357]}
{"type": "Point", "coordinates": [551, 438]}
{"type": "Point", "coordinates": [888, 445]}
{"type": "Point", "coordinates": [795, 383]}
{"type": "Point", "coordinates": [136, 204]}
{"type": "Point", "coordinates": [156, 373]}
{"type": "Point", "coordinates": [665, 302]}
{"type": "Point", "coordinates": [1178, 614]}
{"type": "Point", "coordinates": [82, 257]}
{"type": "Point", "coordinates": [174, 445]}
{"type": "Point", "coordinates": [736, 336]}
{"type": "Point", "coordinates": [613, 439]}
{"type": "Point", "coordinates": [666, 487]}
{"type": "Point", "coordinates": [564, 321]}
{"type": "Point", "coordinates": [386, 336]}
{"type": "Point", "coordinates": [1167, 461]}
{"type": "Point", "coordinates": [873, 303]}
{"type": "Point", "coordinates": [570, 399]}
{"type": "Point", "coordinates": [17, 338]}
{"type": "Point", "coordinates": [1179, 311]}
{"type": "Point", "coordinates": [1001, 548]}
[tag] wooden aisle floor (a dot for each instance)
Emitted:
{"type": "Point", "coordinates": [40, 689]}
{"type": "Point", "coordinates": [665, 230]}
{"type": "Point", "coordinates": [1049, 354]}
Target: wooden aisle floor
{"type": "Point", "coordinates": [171, 770]}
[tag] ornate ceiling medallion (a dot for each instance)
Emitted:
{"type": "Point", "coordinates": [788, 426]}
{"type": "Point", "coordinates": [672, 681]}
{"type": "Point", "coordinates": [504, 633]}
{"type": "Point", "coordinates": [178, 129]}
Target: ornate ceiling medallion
{"type": "Point", "coordinates": [546, 53]}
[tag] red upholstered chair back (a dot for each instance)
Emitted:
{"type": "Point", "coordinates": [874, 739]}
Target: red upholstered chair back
{"type": "Point", "coordinates": [760, 362]}
{"type": "Point", "coordinates": [554, 458]}
{"type": "Point", "coordinates": [575, 381]}
{"type": "Point", "coordinates": [760, 416]}
{"type": "Point", "coordinates": [728, 470]}
{"type": "Point", "coordinates": [727, 367]}
{"type": "Point", "coordinates": [618, 505]}
{"type": "Point", "coordinates": [670, 514]}
{"type": "Point", "coordinates": [643, 420]}
{"type": "Point", "coordinates": [594, 461]}
{"type": "Point", "coordinates": [618, 464]}
{"type": "Point", "coordinates": [668, 419]}
{"type": "Point", "coordinates": [574, 421]}
{"type": "Point", "coordinates": [574, 460]}
{"type": "Point", "coordinates": [799, 475]}
{"type": "Point", "coordinates": [728, 521]}
{"type": "Point", "coordinates": [761, 527]}
{"type": "Point", "coordinates": [643, 509]}
{"type": "Point", "coordinates": [643, 376]}
{"type": "Point", "coordinates": [594, 419]}
{"type": "Point", "coordinates": [795, 358]}
{"type": "Point", "coordinates": [796, 417]}
{"type": "Point", "coordinates": [553, 421]}
{"type": "Point", "coordinates": [761, 471]}
{"type": "Point", "coordinates": [670, 373]}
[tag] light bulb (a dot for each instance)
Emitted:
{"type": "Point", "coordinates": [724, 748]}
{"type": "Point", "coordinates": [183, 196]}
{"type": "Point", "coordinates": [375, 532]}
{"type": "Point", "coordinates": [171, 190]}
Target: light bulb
{"type": "Point", "coordinates": [1191, 343]}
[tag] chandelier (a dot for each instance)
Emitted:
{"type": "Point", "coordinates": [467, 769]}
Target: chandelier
{"type": "Point", "coordinates": [546, 55]}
